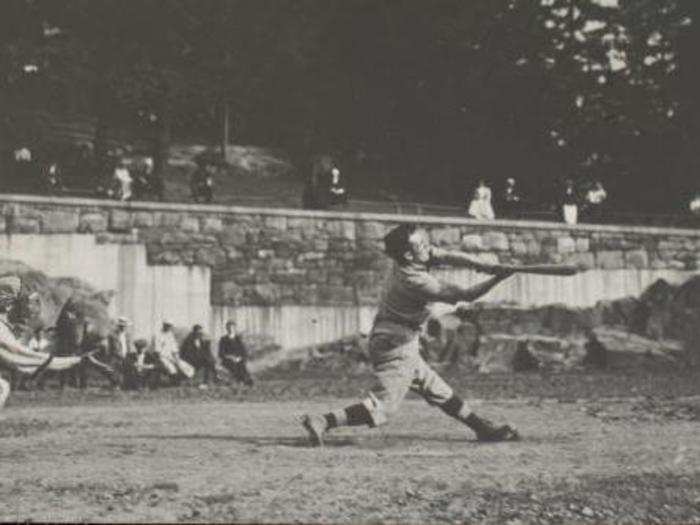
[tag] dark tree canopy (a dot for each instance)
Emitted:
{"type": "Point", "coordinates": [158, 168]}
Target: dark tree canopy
{"type": "Point", "coordinates": [434, 93]}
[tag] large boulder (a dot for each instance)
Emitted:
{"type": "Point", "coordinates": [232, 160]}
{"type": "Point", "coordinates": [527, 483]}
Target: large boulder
{"type": "Point", "coordinates": [499, 353]}
{"type": "Point", "coordinates": [44, 296]}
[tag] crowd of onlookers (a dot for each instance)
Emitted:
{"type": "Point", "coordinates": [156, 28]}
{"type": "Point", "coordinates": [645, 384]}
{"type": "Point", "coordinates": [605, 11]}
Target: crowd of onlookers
{"type": "Point", "coordinates": [137, 364]}
{"type": "Point", "coordinates": [124, 175]}
{"type": "Point", "coordinates": [117, 174]}
{"type": "Point", "coordinates": [120, 174]}
{"type": "Point", "coordinates": [577, 202]}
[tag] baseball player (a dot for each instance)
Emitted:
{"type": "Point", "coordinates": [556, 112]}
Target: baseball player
{"type": "Point", "coordinates": [393, 346]}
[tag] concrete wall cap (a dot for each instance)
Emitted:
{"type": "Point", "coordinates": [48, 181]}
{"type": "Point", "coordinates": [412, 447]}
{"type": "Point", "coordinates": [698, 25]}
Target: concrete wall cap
{"type": "Point", "coordinates": [362, 216]}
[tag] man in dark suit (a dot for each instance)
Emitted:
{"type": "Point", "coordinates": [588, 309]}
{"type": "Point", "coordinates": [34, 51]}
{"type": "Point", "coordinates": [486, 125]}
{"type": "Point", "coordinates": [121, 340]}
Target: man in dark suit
{"type": "Point", "coordinates": [196, 350]}
{"type": "Point", "coordinates": [233, 354]}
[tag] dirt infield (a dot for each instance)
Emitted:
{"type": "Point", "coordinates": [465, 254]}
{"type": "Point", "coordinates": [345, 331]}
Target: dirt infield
{"type": "Point", "coordinates": [202, 459]}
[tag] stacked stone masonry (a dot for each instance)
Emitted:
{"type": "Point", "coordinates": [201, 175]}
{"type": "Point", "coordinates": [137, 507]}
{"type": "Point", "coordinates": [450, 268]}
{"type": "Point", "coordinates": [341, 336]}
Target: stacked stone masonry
{"type": "Point", "coordinates": [276, 256]}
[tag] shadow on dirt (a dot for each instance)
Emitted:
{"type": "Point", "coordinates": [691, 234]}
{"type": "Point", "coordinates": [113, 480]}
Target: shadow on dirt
{"type": "Point", "coordinates": [368, 442]}
{"type": "Point", "coordinates": [262, 441]}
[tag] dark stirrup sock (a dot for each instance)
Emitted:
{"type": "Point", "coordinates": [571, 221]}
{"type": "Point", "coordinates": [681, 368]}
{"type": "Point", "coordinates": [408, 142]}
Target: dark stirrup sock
{"type": "Point", "coordinates": [455, 407]}
{"type": "Point", "coordinates": [352, 416]}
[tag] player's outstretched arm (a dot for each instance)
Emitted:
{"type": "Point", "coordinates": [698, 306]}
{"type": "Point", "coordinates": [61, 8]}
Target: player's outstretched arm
{"type": "Point", "coordinates": [453, 293]}
{"type": "Point", "coordinates": [462, 260]}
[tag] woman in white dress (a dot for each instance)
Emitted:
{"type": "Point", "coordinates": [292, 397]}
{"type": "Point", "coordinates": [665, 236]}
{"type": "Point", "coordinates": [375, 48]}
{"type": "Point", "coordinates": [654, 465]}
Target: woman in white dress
{"type": "Point", "coordinates": [123, 180]}
{"type": "Point", "coordinates": [480, 207]}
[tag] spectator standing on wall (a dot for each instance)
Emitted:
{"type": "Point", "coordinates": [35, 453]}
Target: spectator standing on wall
{"type": "Point", "coordinates": [512, 199]}
{"type": "Point", "coordinates": [233, 354]}
{"type": "Point", "coordinates": [569, 203]}
{"type": "Point", "coordinates": [123, 181]}
{"type": "Point", "coordinates": [202, 182]}
{"type": "Point", "coordinates": [196, 350]}
{"type": "Point", "coordinates": [595, 202]}
{"type": "Point", "coordinates": [338, 194]}
{"type": "Point", "coordinates": [23, 169]}
{"type": "Point", "coordinates": [154, 179]}
{"type": "Point", "coordinates": [694, 205]}
{"type": "Point", "coordinates": [480, 207]}
{"type": "Point", "coordinates": [52, 178]}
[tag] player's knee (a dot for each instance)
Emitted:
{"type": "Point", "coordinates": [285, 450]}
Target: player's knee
{"type": "Point", "coordinates": [381, 410]}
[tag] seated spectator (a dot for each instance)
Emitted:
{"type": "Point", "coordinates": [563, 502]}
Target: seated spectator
{"type": "Point", "coordinates": [52, 178]}
{"type": "Point", "coordinates": [196, 350]}
{"type": "Point", "coordinates": [166, 350]}
{"type": "Point", "coordinates": [118, 345]}
{"type": "Point", "coordinates": [123, 181]}
{"type": "Point", "coordinates": [140, 367]}
{"type": "Point", "coordinates": [480, 207]}
{"type": "Point", "coordinates": [512, 200]}
{"type": "Point", "coordinates": [596, 353]}
{"type": "Point", "coordinates": [234, 355]}
{"type": "Point", "coordinates": [595, 201]}
{"type": "Point", "coordinates": [569, 203]}
{"type": "Point", "coordinates": [38, 342]}
{"type": "Point", "coordinates": [337, 192]}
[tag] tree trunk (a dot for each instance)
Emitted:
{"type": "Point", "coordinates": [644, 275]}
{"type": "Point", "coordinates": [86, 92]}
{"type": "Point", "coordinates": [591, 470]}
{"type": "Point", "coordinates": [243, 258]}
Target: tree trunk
{"type": "Point", "coordinates": [225, 130]}
{"type": "Point", "coordinates": [161, 148]}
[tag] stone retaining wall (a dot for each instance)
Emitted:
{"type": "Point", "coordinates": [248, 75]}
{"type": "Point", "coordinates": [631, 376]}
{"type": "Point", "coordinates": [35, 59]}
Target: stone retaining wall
{"type": "Point", "coordinates": [281, 256]}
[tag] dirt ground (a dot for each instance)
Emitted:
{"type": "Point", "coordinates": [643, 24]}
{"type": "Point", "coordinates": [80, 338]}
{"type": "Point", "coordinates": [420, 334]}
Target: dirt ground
{"type": "Point", "coordinates": [125, 458]}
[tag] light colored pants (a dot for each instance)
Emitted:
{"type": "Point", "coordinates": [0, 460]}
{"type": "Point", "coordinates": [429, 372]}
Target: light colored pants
{"type": "Point", "coordinates": [398, 368]}
{"type": "Point", "coordinates": [174, 365]}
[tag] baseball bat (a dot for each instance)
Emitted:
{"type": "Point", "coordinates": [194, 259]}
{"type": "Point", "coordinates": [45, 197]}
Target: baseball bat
{"type": "Point", "coordinates": [540, 269]}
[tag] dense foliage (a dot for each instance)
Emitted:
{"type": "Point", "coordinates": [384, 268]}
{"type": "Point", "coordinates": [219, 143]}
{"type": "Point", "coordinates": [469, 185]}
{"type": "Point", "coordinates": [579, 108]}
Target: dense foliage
{"type": "Point", "coordinates": [438, 91]}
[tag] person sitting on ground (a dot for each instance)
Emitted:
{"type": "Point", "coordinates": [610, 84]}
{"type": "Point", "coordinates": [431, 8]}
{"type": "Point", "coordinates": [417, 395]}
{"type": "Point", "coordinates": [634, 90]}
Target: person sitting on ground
{"type": "Point", "coordinates": [480, 207]}
{"type": "Point", "coordinates": [595, 201]}
{"type": "Point", "coordinates": [196, 350]}
{"type": "Point", "coordinates": [596, 353]}
{"type": "Point", "coordinates": [119, 346]}
{"type": "Point", "coordinates": [38, 342]}
{"type": "Point", "coordinates": [233, 354]}
{"type": "Point", "coordinates": [165, 347]}
{"type": "Point", "coordinates": [140, 367]}
{"type": "Point", "coordinates": [337, 192]}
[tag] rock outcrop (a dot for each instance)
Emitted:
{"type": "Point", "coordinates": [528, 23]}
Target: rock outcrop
{"type": "Point", "coordinates": [45, 296]}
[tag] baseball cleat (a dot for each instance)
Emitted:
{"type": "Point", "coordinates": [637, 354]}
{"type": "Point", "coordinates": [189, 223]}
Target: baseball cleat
{"type": "Point", "coordinates": [501, 433]}
{"type": "Point", "coordinates": [315, 426]}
